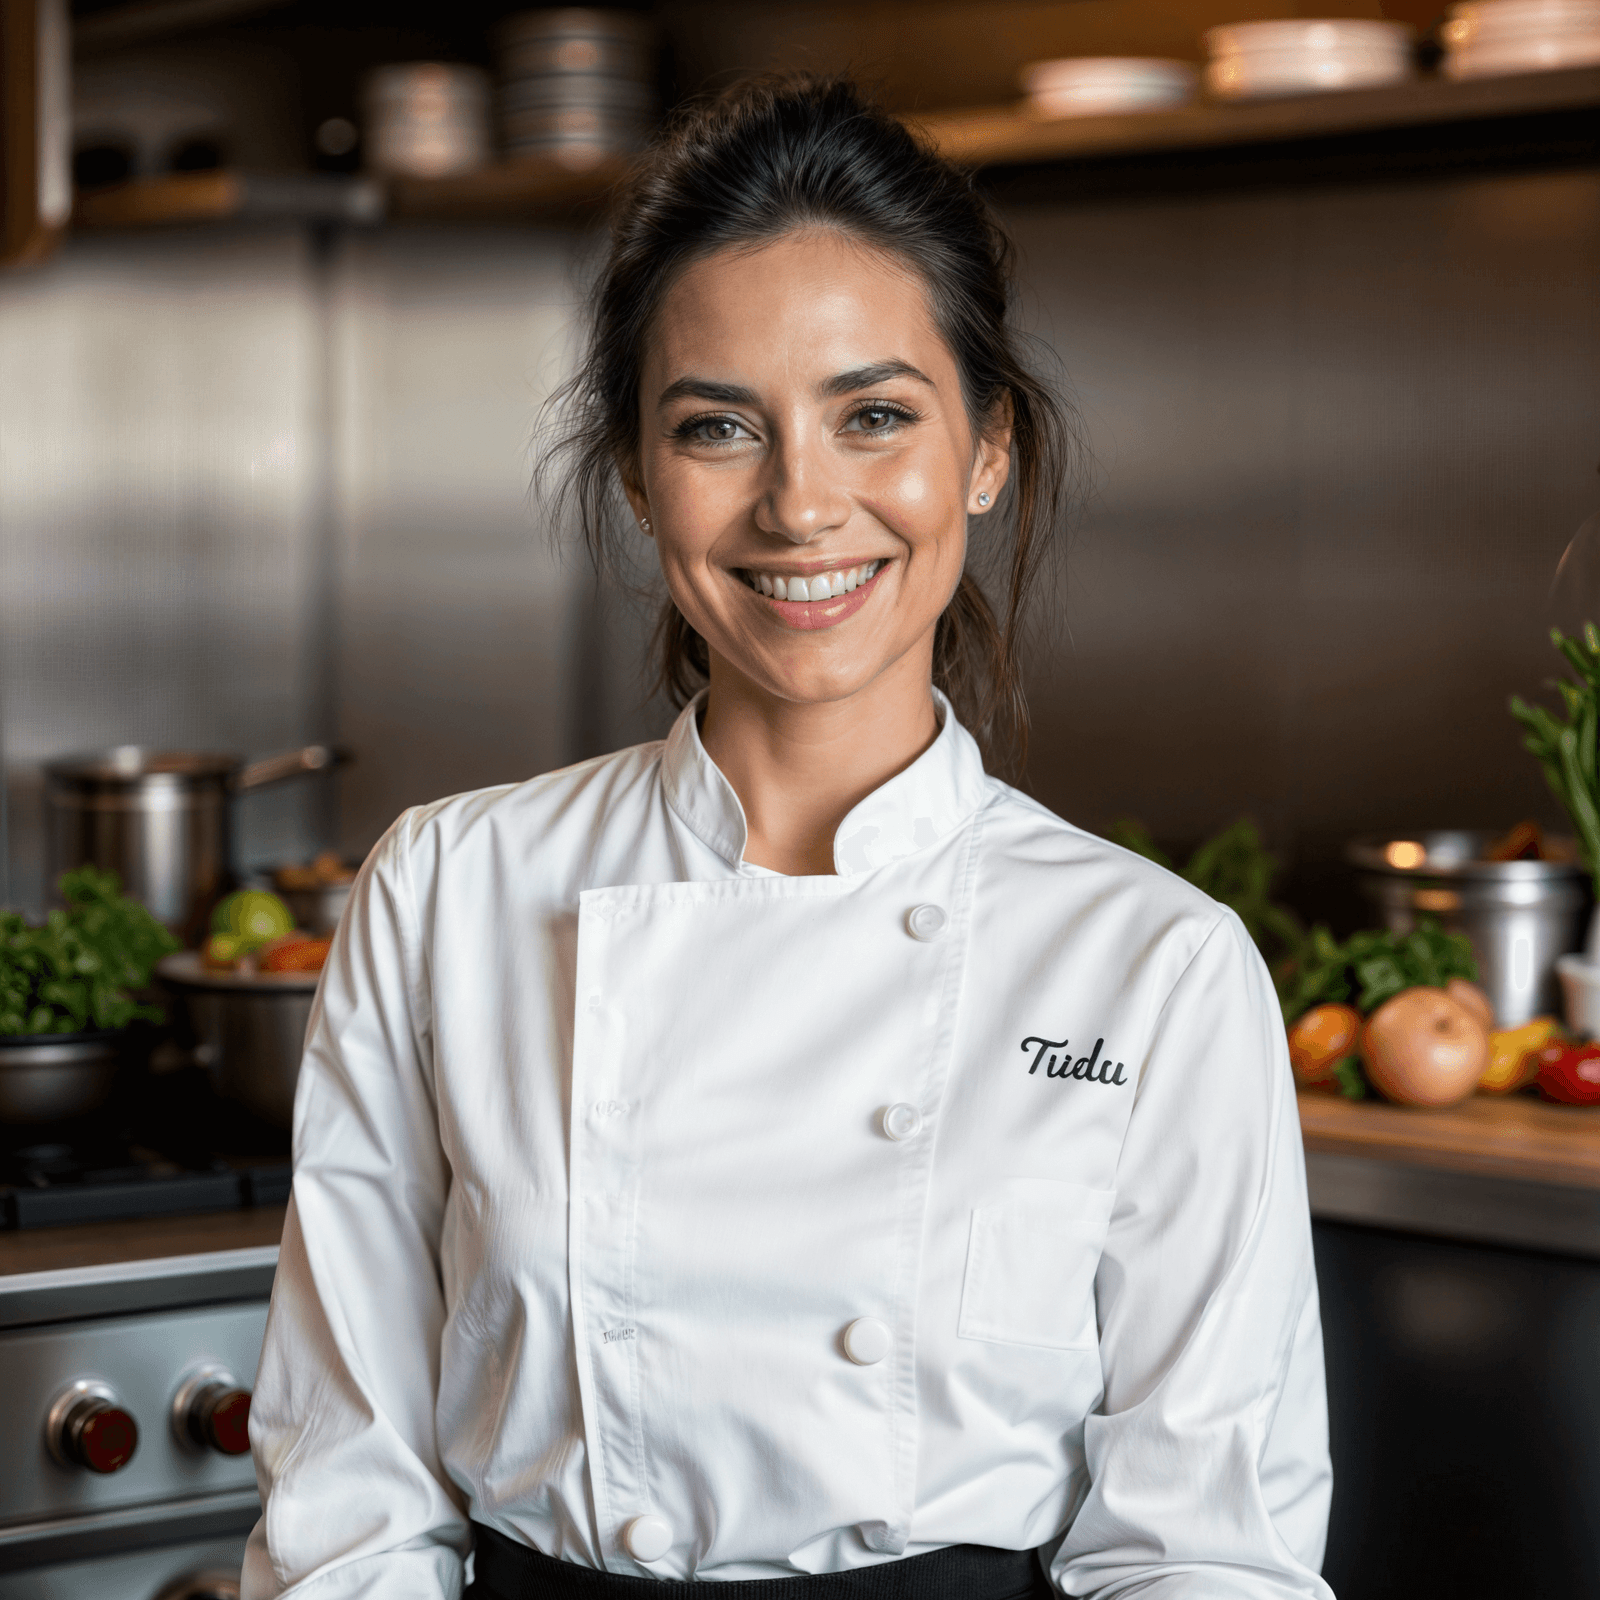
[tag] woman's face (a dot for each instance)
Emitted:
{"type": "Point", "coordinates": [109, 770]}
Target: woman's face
{"type": "Point", "coordinates": [806, 465]}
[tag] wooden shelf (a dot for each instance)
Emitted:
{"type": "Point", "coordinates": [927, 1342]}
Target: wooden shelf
{"type": "Point", "coordinates": [1494, 111]}
{"type": "Point", "coordinates": [230, 196]}
{"type": "Point", "coordinates": [512, 190]}
{"type": "Point", "coordinates": [515, 188]}
{"type": "Point", "coordinates": [1515, 1137]}
{"type": "Point", "coordinates": [1013, 136]}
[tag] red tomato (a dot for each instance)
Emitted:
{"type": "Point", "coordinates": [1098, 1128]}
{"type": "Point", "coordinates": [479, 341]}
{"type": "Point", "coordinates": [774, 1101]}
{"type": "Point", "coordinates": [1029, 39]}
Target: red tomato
{"type": "Point", "coordinates": [1570, 1073]}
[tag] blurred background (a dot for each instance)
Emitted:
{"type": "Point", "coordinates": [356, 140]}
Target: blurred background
{"type": "Point", "coordinates": [266, 412]}
{"type": "Point", "coordinates": [285, 285]}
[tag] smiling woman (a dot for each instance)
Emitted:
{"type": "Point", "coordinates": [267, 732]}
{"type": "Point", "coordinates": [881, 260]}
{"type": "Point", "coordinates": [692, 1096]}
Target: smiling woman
{"type": "Point", "coordinates": [784, 1151]}
{"type": "Point", "coordinates": [804, 216]}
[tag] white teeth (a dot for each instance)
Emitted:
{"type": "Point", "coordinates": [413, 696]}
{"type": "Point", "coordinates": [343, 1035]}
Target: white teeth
{"type": "Point", "coordinates": [824, 586]}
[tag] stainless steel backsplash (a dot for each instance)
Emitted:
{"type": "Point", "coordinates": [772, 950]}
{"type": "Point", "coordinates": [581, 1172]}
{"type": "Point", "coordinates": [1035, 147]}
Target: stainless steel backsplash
{"type": "Point", "coordinates": [256, 490]}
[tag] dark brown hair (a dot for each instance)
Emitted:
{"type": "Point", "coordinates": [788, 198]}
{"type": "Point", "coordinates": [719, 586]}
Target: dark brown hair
{"type": "Point", "coordinates": [759, 161]}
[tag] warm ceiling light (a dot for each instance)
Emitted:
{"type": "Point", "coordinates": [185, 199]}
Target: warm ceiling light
{"type": "Point", "coordinates": [1405, 853]}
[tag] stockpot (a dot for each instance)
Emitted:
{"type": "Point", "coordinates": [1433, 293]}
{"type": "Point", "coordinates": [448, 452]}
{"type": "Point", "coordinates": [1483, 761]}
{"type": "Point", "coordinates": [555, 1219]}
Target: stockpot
{"type": "Point", "coordinates": [161, 819]}
{"type": "Point", "coordinates": [248, 1028]}
{"type": "Point", "coordinates": [1520, 915]}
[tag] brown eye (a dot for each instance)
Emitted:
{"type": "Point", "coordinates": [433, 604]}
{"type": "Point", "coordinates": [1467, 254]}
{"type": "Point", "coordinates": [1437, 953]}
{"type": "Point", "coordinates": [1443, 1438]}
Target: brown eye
{"type": "Point", "coordinates": [712, 430]}
{"type": "Point", "coordinates": [878, 419]}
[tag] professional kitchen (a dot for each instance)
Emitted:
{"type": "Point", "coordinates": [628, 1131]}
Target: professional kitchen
{"type": "Point", "coordinates": [1257, 795]}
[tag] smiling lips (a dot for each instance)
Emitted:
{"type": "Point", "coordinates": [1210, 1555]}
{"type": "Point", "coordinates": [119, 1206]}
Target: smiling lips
{"type": "Point", "coordinates": [818, 601]}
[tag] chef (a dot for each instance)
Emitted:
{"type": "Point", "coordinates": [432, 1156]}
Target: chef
{"type": "Point", "coordinates": [786, 1152]}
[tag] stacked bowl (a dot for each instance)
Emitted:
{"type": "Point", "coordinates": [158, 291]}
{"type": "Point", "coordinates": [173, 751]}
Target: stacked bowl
{"type": "Point", "coordinates": [1097, 86]}
{"type": "Point", "coordinates": [575, 84]}
{"type": "Point", "coordinates": [1485, 38]}
{"type": "Point", "coordinates": [427, 119]}
{"type": "Point", "coordinates": [1255, 60]}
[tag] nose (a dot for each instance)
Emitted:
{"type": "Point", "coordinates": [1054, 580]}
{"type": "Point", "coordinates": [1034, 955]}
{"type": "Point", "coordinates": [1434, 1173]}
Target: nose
{"type": "Point", "coordinates": [800, 499]}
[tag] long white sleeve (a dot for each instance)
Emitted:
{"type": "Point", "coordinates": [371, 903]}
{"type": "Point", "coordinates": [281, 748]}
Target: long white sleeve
{"type": "Point", "coordinates": [1208, 1458]}
{"type": "Point", "coordinates": [343, 1420]}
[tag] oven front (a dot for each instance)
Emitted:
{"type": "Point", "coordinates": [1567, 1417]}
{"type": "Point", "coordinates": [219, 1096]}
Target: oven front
{"type": "Point", "coordinates": [124, 1404]}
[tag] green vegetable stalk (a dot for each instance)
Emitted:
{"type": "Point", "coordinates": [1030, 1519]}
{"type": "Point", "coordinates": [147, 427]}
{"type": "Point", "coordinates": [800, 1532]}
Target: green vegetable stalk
{"type": "Point", "coordinates": [1566, 750]}
{"type": "Point", "coordinates": [75, 973]}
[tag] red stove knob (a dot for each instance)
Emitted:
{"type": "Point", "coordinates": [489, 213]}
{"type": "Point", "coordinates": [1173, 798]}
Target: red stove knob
{"type": "Point", "coordinates": [88, 1428]}
{"type": "Point", "coordinates": [213, 1412]}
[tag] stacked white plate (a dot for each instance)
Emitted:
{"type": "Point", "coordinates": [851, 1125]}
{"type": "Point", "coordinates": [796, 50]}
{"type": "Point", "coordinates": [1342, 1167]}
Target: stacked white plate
{"type": "Point", "coordinates": [575, 83]}
{"type": "Point", "coordinates": [426, 119]}
{"type": "Point", "coordinates": [1102, 86]}
{"type": "Point", "coordinates": [1251, 60]}
{"type": "Point", "coordinates": [1484, 38]}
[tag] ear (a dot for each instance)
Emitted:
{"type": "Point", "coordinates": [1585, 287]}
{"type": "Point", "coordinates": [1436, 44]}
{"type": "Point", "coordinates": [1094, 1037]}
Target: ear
{"type": "Point", "coordinates": [637, 500]}
{"type": "Point", "coordinates": [991, 462]}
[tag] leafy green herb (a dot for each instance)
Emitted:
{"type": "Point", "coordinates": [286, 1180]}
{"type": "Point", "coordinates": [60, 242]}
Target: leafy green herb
{"type": "Point", "coordinates": [1235, 868]}
{"type": "Point", "coordinates": [1370, 968]}
{"type": "Point", "coordinates": [1566, 750]}
{"type": "Point", "coordinates": [74, 973]}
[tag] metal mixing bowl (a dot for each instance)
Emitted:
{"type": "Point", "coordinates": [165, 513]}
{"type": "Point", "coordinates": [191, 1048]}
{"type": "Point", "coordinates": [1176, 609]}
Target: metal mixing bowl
{"type": "Point", "coordinates": [45, 1077]}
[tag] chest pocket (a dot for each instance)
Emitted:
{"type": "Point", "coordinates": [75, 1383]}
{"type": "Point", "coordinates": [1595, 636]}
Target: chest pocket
{"type": "Point", "coordinates": [1031, 1261]}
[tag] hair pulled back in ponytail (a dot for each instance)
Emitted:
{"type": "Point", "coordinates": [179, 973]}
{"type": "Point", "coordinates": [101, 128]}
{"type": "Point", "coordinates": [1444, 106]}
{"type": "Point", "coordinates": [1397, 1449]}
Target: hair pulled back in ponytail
{"type": "Point", "coordinates": [768, 157]}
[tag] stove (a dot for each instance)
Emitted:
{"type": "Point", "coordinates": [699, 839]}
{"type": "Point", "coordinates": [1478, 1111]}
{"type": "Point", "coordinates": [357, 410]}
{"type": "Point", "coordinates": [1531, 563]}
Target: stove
{"type": "Point", "coordinates": [165, 1145]}
{"type": "Point", "coordinates": [125, 1385]}
{"type": "Point", "coordinates": [123, 1416]}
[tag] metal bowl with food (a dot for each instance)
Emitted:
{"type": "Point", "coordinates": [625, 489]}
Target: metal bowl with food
{"type": "Point", "coordinates": [316, 895]}
{"type": "Point", "coordinates": [1520, 898]}
{"type": "Point", "coordinates": [248, 1027]}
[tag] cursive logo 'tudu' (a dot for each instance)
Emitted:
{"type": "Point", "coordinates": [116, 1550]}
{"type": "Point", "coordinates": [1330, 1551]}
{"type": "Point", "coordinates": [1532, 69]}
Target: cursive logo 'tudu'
{"type": "Point", "coordinates": [1057, 1061]}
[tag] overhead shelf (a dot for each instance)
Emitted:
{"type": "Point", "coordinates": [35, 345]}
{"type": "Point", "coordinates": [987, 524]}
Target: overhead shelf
{"type": "Point", "coordinates": [229, 196]}
{"type": "Point", "coordinates": [519, 187]}
{"type": "Point", "coordinates": [512, 190]}
{"type": "Point", "coordinates": [1537, 114]}
{"type": "Point", "coordinates": [1010, 135]}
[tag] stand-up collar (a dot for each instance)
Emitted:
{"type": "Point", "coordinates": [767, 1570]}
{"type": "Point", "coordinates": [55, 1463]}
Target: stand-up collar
{"type": "Point", "coordinates": [914, 809]}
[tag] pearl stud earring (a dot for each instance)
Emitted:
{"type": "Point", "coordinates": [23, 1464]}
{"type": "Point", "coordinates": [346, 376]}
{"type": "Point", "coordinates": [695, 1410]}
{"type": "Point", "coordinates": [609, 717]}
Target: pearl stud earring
{"type": "Point", "coordinates": [644, 522]}
{"type": "Point", "coordinates": [983, 499]}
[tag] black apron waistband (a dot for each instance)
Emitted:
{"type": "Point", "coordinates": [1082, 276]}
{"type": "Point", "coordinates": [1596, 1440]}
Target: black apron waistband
{"type": "Point", "coordinates": [507, 1570]}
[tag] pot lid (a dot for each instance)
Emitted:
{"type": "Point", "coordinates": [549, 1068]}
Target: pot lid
{"type": "Point", "coordinates": [128, 763]}
{"type": "Point", "coordinates": [1458, 853]}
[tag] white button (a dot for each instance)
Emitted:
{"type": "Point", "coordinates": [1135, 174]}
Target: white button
{"type": "Point", "coordinates": [927, 922]}
{"type": "Point", "coordinates": [648, 1538]}
{"type": "Point", "coordinates": [867, 1341]}
{"type": "Point", "coordinates": [902, 1121]}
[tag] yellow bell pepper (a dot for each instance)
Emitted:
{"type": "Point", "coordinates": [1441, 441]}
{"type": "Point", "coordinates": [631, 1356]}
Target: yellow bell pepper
{"type": "Point", "coordinates": [1513, 1056]}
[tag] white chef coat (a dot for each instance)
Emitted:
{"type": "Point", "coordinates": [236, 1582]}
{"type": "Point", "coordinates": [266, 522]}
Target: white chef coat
{"type": "Point", "coordinates": [596, 1188]}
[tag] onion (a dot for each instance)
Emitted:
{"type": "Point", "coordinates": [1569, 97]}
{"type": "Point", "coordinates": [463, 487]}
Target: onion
{"type": "Point", "coordinates": [1424, 1048]}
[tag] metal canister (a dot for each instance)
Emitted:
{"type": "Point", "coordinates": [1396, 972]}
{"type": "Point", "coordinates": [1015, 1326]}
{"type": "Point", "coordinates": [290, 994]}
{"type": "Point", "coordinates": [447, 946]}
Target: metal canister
{"type": "Point", "coordinates": [1520, 915]}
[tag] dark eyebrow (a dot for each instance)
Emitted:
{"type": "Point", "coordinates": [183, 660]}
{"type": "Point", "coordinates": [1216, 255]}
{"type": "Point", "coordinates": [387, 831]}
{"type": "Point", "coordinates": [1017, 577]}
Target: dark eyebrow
{"type": "Point", "coordinates": [870, 377]}
{"type": "Point", "coordinates": [730, 394]}
{"type": "Point", "coordinates": [726, 394]}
